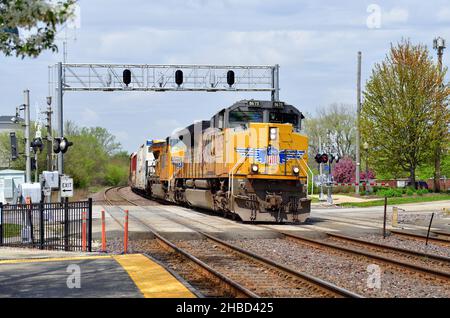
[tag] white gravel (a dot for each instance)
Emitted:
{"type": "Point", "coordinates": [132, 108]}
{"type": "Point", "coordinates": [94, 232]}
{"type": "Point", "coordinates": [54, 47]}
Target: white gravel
{"type": "Point", "coordinates": [350, 272]}
{"type": "Point", "coordinates": [409, 243]}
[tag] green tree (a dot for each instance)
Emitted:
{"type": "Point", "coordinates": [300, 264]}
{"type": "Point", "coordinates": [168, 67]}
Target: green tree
{"type": "Point", "coordinates": [335, 125]}
{"type": "Point", "coordinates": [38, 17]}
{"type": "Point", "coordinates": [398, 110]}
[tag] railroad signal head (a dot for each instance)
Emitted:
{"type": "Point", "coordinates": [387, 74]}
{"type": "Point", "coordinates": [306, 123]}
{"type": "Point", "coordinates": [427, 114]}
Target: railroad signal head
{"type": "Point", "coordinates": [127, 77]}
{"type": "Point", "coordinates": [13, 139]}
{"type": "Point", "coordinates": [33, 164]}
{"type": "Point", "coordinates": [230, 78]}
{"type": "Point", "coordinates": [179, 77]}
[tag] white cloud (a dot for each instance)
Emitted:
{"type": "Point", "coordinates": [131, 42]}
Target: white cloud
{"type": "Point", "coordinates": [395, 16]}
{"type": "Point", "coordinates": [443, 15]}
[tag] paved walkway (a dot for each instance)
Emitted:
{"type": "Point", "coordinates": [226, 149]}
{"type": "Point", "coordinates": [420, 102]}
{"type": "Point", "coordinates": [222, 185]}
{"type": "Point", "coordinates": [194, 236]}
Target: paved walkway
{"type": "Point", "coordinates": [133, 275]}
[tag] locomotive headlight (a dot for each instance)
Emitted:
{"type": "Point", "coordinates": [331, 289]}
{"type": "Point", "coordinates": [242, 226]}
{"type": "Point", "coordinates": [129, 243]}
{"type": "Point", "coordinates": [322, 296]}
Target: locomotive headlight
{"type": "Point", "coordinates": [273, 133]}
{"type": "Point", "coordinates": [296, 170]}
{"type": "Point", "coordinates": [255, 168]}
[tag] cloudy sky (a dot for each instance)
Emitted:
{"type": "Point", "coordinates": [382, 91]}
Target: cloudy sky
{"type": "Point", "coordinates": [315, 43]}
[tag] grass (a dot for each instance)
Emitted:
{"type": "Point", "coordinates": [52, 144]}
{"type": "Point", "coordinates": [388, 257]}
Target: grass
{"type": "Point", "coordinates": [11, 230]}
{"type": "Point", "coordinates": [399, 200]}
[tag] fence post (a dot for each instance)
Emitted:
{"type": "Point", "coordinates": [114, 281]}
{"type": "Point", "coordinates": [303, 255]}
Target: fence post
{"type": "Point", "coordinates": [103, 233]}
{"type": "Point", "coordinates": [125, 234]}
{"type": "Point", "coordinates": [30, 220]}
{"type": "Point", "coordinates": [429, 228]}
{"type": "Point", "coordinates": [41, 225]}
{"type": "Point", "coordinates": [66, 223]}
{"type": "Point", "coordinates": [385, 215]}
{"type": "Point", "coordinates": [1, 223]}
{"type": "Point", "coordinates": [90, 225]}
{"type": "Point", "coordinates": [83, 231]}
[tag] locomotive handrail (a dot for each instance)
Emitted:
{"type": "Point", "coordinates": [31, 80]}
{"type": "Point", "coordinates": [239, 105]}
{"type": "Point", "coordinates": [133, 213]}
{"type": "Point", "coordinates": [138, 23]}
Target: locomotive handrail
{"type": "Point", "coordinates": [307, 177]}
{"type": "Point", "coordinates": [231, 177]}
{"type": "Point", "coordinates": [312, 177]}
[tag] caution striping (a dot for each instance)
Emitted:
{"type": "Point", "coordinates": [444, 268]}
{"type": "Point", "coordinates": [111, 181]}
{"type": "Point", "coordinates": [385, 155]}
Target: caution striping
{"type": "Point", "coordinates": [373, 184]}
{"type": "Point", "coordinates": [151, 278]}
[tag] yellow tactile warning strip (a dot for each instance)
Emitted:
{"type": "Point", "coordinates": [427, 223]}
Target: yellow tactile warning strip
{"type": "Point", "coordinates": [151, 278]}
{"type": "Point", "coordinates": [50, 259]}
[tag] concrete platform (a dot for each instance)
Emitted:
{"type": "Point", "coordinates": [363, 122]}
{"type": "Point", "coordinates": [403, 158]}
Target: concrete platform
{"type": "Point", "coordinates": [133, 275]}
{"type": "Point", "coordinates": [173, 222]}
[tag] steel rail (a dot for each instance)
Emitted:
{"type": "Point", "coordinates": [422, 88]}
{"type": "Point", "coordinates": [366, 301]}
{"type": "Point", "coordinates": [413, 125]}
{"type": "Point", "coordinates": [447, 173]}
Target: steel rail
{"type": "Point", "coordinates": [421, 237]}
{"type": "Point", "coordinates": [226, 283]}
{"type": "Point", "coordinates": [312, 280]}
{"type": "Point", "coordinates": [393, 248]}
{"type": "Point", "coordinates": [353, 251]}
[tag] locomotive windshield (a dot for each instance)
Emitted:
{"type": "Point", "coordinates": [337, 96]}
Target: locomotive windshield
{"type": "Point", "coordinates": [239, 118]}
{"type": "Point", "coordinates": [283, 118]}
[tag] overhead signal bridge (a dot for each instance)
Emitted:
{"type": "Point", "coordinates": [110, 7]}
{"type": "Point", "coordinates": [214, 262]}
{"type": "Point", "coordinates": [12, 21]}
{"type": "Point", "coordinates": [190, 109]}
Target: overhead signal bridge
{"type": "Point", "coordinates": [92, 77]}
{"type": "Point", "coordinates": [145, 77]}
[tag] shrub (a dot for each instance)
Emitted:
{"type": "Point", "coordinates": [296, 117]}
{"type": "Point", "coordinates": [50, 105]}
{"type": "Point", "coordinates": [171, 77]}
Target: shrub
{"type": "Point", "coordinates": [389, 192]}
{"type": "Point", "coordinates": [409, 192]}
{"type": "Point", "coordinates": [422, 191]}
{"type": "Point", "coordinates": [116, 175]}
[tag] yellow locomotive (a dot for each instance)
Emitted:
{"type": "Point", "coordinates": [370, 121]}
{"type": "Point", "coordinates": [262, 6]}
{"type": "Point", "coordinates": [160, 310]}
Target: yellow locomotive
{"type": "Point", "coordinates": [248, 162]}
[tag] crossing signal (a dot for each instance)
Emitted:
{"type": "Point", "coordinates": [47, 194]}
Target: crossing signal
{"type": "Point", "coordinates": [61, 145]}
{"type": "Point", "coordinates": [318, 158]}
{"type": "Point", "coordinates": [37, 144]}
{"type": "Point", "coordinates": [127, 77]}
{"type": "Point", "coordinates": [321, 158]}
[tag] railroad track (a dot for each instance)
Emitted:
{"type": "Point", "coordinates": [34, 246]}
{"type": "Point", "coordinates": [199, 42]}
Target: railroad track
{"type": "Point", "coordinates": [442, 234]}
{"type": "Point", "coordinates": [244, 273]}
{"type": "Point", "coordinates": [415, 236]}
{"type": "Point", "coordinates": [402, 259]}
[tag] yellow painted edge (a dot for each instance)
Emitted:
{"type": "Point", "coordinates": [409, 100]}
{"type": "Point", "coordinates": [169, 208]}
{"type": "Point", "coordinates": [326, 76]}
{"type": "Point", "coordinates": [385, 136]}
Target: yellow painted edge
{"type": "Point", "coordinates": [152, 279]}
{"type": "Point", "coordinates": [54, 259]}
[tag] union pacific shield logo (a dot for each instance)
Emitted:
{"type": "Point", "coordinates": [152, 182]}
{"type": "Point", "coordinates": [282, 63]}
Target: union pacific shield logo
{"type": "Point", "coordinates": [273, 157]}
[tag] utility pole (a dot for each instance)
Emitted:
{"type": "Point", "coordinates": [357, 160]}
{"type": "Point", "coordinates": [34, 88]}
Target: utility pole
{"type": "Point", "coordinates": [49, 113]}
{"type": "Point", "coordinates": [27, 135]}
{"type": "Point", "coordinates": [358, 115]}
{"type": "Point", "coordinates": [60, 121]}
{"type": "Point", "coordinates": [439, 46]}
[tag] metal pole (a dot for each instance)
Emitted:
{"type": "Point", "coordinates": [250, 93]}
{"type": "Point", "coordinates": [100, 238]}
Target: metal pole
{"type": "Point", "coordinates": [276, 83]}
{"type": "Point", "coordinates": [437, 160]}
{"type": "Point", "coordinates": [367, 171]}
{"type": "Point", "coordinates": [27, 135]}
{"type": "Point", "coordinates": [49, 138]}
{"type": "Point", "coordinates": [59, 103]}
{"type": "Point", "coordinates": [429, 228]}
{"type": "Point", "coordinates": [36, 171]}
{"type": "Point", "coordinates": [385, 216]}
{"type": "Point", "coordinates": [321, 198]}
{"type": "Point", "coordinates": [358, 114]}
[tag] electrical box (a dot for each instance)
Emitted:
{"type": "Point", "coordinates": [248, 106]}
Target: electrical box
{"type": "Point", "coordinates": [32, 190]}
{"type": "Point", "coordinates": [51, 179]}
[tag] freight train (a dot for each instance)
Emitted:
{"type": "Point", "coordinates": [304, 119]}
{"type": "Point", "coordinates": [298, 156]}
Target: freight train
{"type": "Point", "coordinates": [248, 162]}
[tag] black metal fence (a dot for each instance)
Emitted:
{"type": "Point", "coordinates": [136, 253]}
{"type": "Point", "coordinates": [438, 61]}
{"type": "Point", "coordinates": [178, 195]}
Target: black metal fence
{"type": "Point", "coordinates": [61, 226]}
